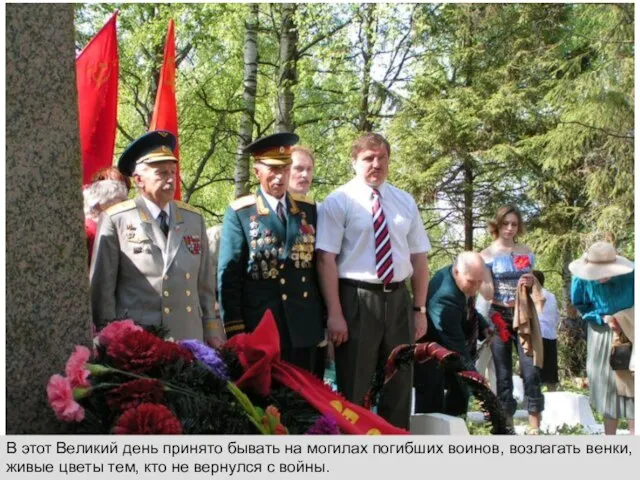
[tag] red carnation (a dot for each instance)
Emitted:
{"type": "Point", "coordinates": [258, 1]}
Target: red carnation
{"type": "Point", "coordinates": [135, 352]}
{"type": "Point", "coordinates": [148, 419]}
{"type": "Point", "coordinates": [501, 327]}
{"type": "Point", "coordinates": [522, 262]}
{"type": "Point", "coordinates": [131, 394]}
{"type": "Point", "coordinates": [140, 351]}
{"type": "Point", "coordinates": [171, 352]}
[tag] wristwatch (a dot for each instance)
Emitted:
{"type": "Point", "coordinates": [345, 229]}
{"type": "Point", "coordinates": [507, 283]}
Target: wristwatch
{"type": "Point", "coordinates": [420, 309]}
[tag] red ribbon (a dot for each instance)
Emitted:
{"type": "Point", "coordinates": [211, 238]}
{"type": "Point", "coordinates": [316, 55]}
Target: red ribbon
{"type": "Point", "coordinates": [259, 354]}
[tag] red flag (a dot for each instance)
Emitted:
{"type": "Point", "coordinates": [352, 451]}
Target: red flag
{"type": "Point", "coordinates": [97, 82]}
{"type": "Point", "coordinates": [165, 111]}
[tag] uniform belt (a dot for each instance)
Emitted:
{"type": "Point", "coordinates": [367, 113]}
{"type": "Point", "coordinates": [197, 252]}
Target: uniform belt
{"type": "Point", "coordinates": [375, 287]}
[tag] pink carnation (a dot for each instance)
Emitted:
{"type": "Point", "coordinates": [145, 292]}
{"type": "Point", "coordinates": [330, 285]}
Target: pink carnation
{"type": "Point", "coordinates": [61, 400]}
{"type": "Point", "coordinates": [115, 329]}
{"type": "Point", "coordinates": [75, 368]}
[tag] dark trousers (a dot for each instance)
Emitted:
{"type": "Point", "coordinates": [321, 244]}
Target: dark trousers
{"type": "Point", "coordinates": [377, 322]}
{"type": "Point", "coordinates": [501, 352]}
{"type": "Point", "coordinates": [320, 362]}
{"type": "Point", "coordinates": [437, 392]}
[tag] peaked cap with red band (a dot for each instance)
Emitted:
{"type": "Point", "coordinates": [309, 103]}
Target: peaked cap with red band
{"type": "Point", "coordinates": [273, 149]}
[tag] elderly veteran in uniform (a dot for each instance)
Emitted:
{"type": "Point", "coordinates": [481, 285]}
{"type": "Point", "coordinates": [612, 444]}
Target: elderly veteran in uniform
{"type": "Point", "coordinates": [371, 240]}
{"type": "Point", "coordinates": [267, 257]}
{"type": "Point", "coordinates": [151, 255]}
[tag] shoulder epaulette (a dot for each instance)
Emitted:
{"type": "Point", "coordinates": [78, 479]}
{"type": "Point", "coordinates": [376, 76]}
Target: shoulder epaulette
{"type": "Point", "coordinates": [243, 202]}
{"type": "Point", "coordinates": [186, 206]}
{"type": "Point", "coordinates": [298, 197]}
{"type": "Point", "coordinates": [121, 207]}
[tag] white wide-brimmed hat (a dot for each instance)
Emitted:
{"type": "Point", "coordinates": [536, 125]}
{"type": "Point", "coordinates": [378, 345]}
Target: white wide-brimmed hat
{"type": "Point", "coordinates": [600, 261]}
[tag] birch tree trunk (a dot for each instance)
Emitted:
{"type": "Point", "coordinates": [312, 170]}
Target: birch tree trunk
{"type": "Point", "coordinates": [367, 50]}
{"type": "Point", "coordinates": [250, 84]}
{"type": "Point", "coordinates": [288, 69]}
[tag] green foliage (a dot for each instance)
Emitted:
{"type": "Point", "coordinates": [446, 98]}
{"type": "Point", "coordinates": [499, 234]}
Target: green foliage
{"type": "Point", "coordinates": [572, 352]}
{"type": "Point", "coordinates": [484, 104]}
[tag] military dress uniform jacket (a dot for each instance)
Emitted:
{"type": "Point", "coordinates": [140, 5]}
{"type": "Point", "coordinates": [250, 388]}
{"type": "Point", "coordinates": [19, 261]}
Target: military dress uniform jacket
{"type": "Point", "coordinates": [139, 273]}
{"type": "Point", "coordinates": [264, 266]}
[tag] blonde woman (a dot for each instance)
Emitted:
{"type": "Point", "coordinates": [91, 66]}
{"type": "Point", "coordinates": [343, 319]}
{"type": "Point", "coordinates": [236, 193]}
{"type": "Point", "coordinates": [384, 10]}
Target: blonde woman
{"type": "Point", "coordinates": [510, 264]}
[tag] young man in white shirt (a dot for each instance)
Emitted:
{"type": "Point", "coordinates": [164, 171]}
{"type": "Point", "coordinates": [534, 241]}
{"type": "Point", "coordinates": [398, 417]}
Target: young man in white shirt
{"type": "Point", "coordinates": [548, 320]}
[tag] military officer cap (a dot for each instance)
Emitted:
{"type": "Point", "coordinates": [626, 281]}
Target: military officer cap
{"type": "Point", "coordinates": [273, 149]}
{"type": "Point", "coordinates": [152, 147]}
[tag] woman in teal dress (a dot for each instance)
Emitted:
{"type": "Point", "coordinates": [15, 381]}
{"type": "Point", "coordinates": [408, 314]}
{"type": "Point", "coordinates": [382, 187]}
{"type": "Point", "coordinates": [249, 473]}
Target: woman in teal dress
{"type": "Point", "coordinates": [602, 286]}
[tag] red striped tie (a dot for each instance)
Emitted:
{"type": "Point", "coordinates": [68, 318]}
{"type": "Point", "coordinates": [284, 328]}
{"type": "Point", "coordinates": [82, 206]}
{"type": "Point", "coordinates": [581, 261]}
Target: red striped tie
{"type": "Point", "coordinates": [384, 259]}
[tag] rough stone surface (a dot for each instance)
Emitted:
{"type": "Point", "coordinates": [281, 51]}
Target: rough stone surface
{"type": "Point", "coordinates": [47, 293]}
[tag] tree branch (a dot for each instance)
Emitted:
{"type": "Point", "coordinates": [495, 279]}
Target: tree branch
{"type": "Point", "coordinates": [603, 130]}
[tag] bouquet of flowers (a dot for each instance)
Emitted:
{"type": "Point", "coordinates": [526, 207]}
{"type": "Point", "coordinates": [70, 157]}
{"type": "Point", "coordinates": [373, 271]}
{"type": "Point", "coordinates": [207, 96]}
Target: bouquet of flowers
{"type": "Point", "coordinates": [136, 382]}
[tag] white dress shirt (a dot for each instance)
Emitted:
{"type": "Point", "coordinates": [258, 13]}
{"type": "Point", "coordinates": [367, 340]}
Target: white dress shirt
{"type": "Point", "coordinates": [345, 227]}
{"type": "Point", "coordinates": [154, 209]}
{"type": "Point", "coordinates": [273, 202]}
{"type": "Point", "coordinates": [549, 317]}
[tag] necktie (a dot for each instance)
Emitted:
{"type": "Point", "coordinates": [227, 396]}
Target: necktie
{"type": "Point", "coordinates": [382, 240]}
{"type": "Point", "coordinates": [281, 214]}
{"type": "Point", "coordinates": [164, 224]}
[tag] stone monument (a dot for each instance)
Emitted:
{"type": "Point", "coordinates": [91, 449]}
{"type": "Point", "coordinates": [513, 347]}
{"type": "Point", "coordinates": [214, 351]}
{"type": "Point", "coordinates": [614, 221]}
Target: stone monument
{"type": "Point", "coordinates": [47, 291]}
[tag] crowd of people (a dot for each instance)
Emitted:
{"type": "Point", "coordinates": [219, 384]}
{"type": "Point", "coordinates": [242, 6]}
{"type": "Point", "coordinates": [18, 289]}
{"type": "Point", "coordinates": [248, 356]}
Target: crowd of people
{"type": "Point", "coordinates": [347, 279]}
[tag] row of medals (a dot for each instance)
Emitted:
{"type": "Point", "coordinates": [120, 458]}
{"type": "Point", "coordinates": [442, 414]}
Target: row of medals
{"type": "Point", "coordinates": [267, 258]}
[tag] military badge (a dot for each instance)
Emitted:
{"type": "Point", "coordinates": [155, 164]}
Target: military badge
{"type": "Point", "coordinates": [267, 254]}
{"type": "Point", "coordinates": [273, 272]}
{"type": "Point", "coordinates": [260, 242]}
{"type": "Point", "coordinates": [305, 228]}
{"type": "Point", "coordinates": [192, 242]}
{"type": "Point", "coordinates": [253, 244]}
{"type": "Point", "coordinates": [255, 276]}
